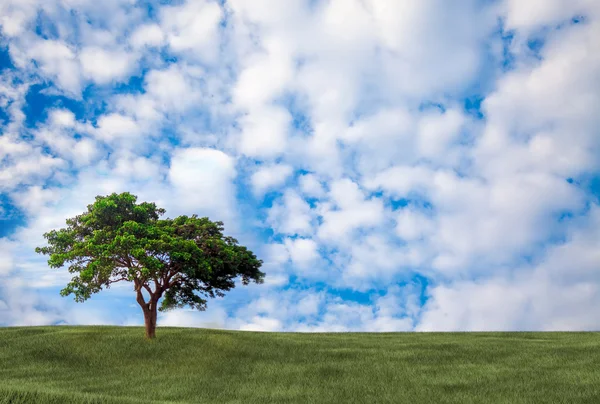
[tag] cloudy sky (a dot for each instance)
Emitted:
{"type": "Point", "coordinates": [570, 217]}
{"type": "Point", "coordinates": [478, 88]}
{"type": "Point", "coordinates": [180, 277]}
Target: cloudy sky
{"type": "Point", "coordinates": [398, 165]}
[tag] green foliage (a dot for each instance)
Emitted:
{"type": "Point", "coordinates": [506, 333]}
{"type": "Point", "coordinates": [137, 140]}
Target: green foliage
{"type": "Point", "coordinates": [47, 364]}
{"type": "Point", "coordinates": [186, 259]}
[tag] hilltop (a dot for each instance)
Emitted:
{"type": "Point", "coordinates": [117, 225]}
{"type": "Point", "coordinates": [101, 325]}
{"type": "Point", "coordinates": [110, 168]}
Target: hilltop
{"type": "Point", "coordinates": [101, 364]}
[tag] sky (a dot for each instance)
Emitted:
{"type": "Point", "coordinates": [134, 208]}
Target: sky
{"type": "Point", "coordinates": [398, 165]}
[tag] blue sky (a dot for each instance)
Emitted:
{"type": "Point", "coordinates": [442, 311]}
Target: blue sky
{"type": "Point", "coordinates": [398, 165]}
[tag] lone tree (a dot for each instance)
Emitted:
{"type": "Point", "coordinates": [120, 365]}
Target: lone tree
{"type": "Point", "coordinates": [183, 260]}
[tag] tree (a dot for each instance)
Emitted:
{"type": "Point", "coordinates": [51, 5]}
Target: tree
{"type": "Point", "coordinates": [183, 260]}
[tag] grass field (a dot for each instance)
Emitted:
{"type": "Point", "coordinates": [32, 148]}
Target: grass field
{"type": "Point", "coordinates": [116, 365]}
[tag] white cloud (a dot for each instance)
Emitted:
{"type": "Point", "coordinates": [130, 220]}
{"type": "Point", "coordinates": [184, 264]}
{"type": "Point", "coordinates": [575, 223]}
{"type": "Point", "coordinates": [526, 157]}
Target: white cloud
{"type": "Point", "coordinates": [270, 176]}
{"type": "Point", "coordinates": [58, 61]}
{"type": "Point", "coordinates": [311, 186]}
{"type": "Point", "coordinates": [214, 317]}
{"type": "Point", "coordinates": [311, 311]}
{"type": "Point", "coordinates": [147, 35]}
{"type": "Point", "coordinates": [102, 66]}
{"type": "Point", "coordinates": [29, 169]}
{"type": "Point", "coordinates": [533, 14]}
{"type": "Point", "coordinates": [113, 126]}
{"type": "Point", "coordinates": [168, 93]}
{"type": "Point", "coordinates": [530, 126]}
{"type": "Point", "coordinates": [309, 305]}
{"type": "Point", "coordinates": [259, 323]}
{"type": "Point", "coordinates": [22, 305]}
{"type": "Point", "coordinates": [174, 89]}
{"type": "Point", "coordinates": [84, 152]}
{"type": "Point", "coordinates": [34, 198]}
{"type": "Point", "coordinates": [22, 162]}
{"type": "Point", "coordinates": [413, 225]}
{"type": "Point", "coordinates": [555, 293]}
{"type": "Point", "coordinates": [437, 131]}
{"type": "Point", "coordinates": [266, 76]}
{"type": "Point", "coordinates": [141, 168]}
{"type": "Point", "coordinates": [291, 216]}
{"type": "Point", "coordinates": [275, 257]}
{"type": "Point", "coordinates": [14, 16]}
{"type": "Point", "coordinates": [63, 118]}
{"type": "Point", "coordinates": [192, 27]}
{"type": "Point", "coordinates": [377, 261]}
{"type": "Point", "coordinates": [383, 139]}
{"type": "Point", "coordinates": [400, 181]}
{"type": "Point", "coordinates": [58, 133]}
{"type": "Point", "coordinates": [202, 183]}
{"type": "Point", "coordinates": [531, 304]}
{"type": "Point", "coordinates": [473, 216]}
{"type": "Point", "coordinates": [7, 261]}
{"type": "Point", "coordinates": [353, 211]}
{"type": "Point", "coordinates": [303, 252]}
{"type": "Point", "coordinates": [264, 132]}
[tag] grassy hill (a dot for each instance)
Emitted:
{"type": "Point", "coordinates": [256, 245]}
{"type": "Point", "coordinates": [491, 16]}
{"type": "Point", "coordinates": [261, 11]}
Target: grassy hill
{"type": "Point", "coordinates": [116, 365]}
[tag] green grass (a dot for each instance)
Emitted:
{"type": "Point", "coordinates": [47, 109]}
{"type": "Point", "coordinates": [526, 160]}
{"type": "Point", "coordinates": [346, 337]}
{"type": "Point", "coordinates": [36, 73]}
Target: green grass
{"type": "Point", "coordinates": [116, 365]}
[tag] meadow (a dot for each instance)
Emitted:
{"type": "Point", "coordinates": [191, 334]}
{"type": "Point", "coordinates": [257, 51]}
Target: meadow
{"type": "Point", "coordinates": [103, 364]}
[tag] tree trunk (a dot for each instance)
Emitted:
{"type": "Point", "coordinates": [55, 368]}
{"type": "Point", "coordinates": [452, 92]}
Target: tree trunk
{"type": "Point", "coordinates": [150, 314]}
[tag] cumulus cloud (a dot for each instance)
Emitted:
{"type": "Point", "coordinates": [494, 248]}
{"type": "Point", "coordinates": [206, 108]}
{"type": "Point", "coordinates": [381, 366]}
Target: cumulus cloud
{"type": "Point", "coordinates": [546, 296]}
{"type": "Point", "coordinates": [7, 262]}
{"type": "Point", "coordinates": [57, 61]}
{"type": "Point", "coordinates": [314, 311]}
{"type": "Point", "coordinates": [349, 211]}
{"type": "Point", "coordinates": [412, 224]}
{"type": "Point", "coordinates": [303, 252]}
{"type": "Point", "coordinates": [214, 318]}
{"type": "Point", "coordinates": [264, 132]}
{"type": "Point", "coordinates": [269, 177]}
{"type": "Point", "coordinates": [311, 186]}
{"type": "Point", "coordinates": [112, 126]}
{"type": "Point", "coordinates": [147, 35]}
{"type": "Point", "coordinates": [533, 14]}
{"type": "Point", "coordinates": [292, 215]}
{"type": "Point", "coordinates": [104, 66]}
{"type": "Point", "coordinates": [192, 27]}
{"type": "Point", "coordinates": [202, 181]}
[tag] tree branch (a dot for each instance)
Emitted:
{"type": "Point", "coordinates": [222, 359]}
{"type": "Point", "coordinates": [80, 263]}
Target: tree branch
{"type": "Point", "coordinates": [165, 278]}
{"type": "Point", "coordinates": [121, 263]}
{"type": "Point", "coordinates": [139, 296]}
{"type": "Point", "coordinates": [140, 299]}
{"type": "Point", "coordinates": [110, 281]}
{"type": "Point", "coordinates": [157, 285]}
{"type": "Point", "coordinates": [178, 278]}
{"type": "Point", "coordinates": [147, 288]}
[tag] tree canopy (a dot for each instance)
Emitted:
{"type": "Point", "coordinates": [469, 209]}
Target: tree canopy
{"type": "Point", "coordinates": [184, 260]}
